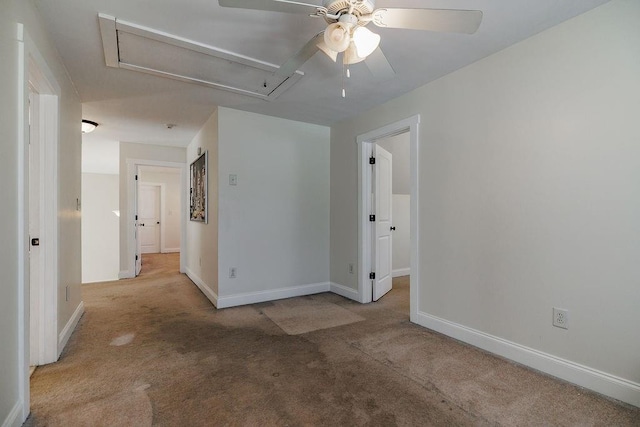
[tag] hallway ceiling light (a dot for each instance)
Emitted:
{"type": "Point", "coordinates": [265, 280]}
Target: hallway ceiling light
{"type": "Point", "coordinates": [88, 126]}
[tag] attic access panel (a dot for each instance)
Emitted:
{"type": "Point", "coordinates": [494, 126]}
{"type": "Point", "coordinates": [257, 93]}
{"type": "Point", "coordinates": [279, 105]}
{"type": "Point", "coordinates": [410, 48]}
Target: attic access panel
{"type": "Point", "coordinates": [150, 51]}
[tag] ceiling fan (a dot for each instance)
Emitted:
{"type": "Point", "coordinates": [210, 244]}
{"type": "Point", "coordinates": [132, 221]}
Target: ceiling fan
{"type": "Point", "coordinates": [346, 32]}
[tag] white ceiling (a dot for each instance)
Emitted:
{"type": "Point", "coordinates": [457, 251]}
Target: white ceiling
{"type": "Point", "coordinates": [135, 107]}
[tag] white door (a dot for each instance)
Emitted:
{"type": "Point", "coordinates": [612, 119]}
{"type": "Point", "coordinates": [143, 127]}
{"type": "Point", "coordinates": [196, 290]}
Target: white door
{"type": "Point", "coordinates": [137, 229]}
{"type": "Point", "coordinates": [149, 218]}
{"type": "Point", "coordinates": [34, 234]}
{"type": "Point", "coordinates": [383, 223]}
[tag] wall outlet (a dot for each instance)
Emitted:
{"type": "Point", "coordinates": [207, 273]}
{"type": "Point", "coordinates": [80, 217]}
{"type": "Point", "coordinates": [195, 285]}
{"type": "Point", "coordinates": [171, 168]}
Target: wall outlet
{"type": "Point", "coordinates": [560, 318]}
{"type": "Point", "coordinates": [351, 269]}
{"type": "Point", "coordinates": [233, 179]}
{"type": "Point", "coordinates": [232, 273]}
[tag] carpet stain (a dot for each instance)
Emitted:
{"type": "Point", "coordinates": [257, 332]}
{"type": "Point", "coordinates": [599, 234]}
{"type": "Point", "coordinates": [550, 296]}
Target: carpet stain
{"type": "Point", "coordinates": [122, 340]}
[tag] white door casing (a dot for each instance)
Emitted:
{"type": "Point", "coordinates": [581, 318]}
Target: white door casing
{"type": "Point", "coordinates": [383, 244]}
{"type": "Point", "coordinates": [365, 143]}
{"type": "Point", "coordinates": [131, 268]}
{"type": "Point", "coordinates": [149, 217]}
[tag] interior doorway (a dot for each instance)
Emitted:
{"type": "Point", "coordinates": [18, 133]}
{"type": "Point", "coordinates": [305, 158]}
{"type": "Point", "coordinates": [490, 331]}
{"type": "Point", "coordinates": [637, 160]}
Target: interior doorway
{"type": "Point", "coordinates": [42, 165]}
{"type": "Point", "coordinates": [375, 196]}
{"type": "Point", "coordinates": [159, 210]}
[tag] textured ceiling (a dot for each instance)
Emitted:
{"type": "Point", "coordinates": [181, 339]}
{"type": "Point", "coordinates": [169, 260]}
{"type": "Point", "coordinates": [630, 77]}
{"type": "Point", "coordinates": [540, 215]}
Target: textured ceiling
{"type": "Point", "coordinates": [135, 107]}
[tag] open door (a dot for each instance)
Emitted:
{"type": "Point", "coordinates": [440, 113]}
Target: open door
{"type": "Point", "coordinates": [137, 230]}
{"type": "Point", "coordinates": [382, 191]}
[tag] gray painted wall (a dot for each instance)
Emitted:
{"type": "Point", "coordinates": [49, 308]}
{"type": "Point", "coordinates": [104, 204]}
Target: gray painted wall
{"type": "Point", "coordinates": [529, 172]}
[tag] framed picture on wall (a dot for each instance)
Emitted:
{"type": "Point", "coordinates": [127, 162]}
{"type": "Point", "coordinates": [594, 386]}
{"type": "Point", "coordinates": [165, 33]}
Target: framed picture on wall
{"type": "Point", "coordinates": [198, 193]}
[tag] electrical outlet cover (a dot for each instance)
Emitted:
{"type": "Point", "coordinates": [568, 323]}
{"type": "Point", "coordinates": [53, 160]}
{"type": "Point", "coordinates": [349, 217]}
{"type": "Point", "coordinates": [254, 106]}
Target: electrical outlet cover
{"type": "Point", "coordinates": [560, 318]}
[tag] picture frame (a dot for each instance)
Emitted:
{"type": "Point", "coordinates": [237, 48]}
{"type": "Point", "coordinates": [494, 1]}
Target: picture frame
{"type": "Point", "coordinates": [198, 197]}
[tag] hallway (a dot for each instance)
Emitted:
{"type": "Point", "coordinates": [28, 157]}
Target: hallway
{"type": "Point", "coordinates": [154, 351]}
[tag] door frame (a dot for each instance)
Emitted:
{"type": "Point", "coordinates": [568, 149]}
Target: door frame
{"type": "Point", "coordinates": [365, 143]}
{"type": "Point", "coordinates": [131, 188]}
{"type": "Point", "coordinates": [34, 70]}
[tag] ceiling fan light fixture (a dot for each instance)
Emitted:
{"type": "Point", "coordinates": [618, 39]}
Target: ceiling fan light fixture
{"type": "Point", "coordinates": [336, 37]}
{"type": "Point", "coordinates": [351, 56]}
{"type": "Point", "coordinates": [325, 49]}
{"type": "Point", "coordinates": [365, 41]}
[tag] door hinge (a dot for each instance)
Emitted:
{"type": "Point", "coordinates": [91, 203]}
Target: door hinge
{"type": "Point", "coordinates": [136, 217]}
{"type": "Point", "coordinates": [136, 257]}
{"type": "Point", "coordinates": [372, 218]}
{"type": "Point", "coordinates": [136, 177]}
{"type": "Point", "coordinates": [372, 276]}
{"type": "Point", "coordinates": [372, 160]}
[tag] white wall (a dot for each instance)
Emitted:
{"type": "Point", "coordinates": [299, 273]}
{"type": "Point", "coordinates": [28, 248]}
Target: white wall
{"type": "Point", "coordinates": [171, 179]}
{"type": "Point", "coordinates": [9, 230]}
{"type": "Point", "coordinates": [274, 224]}
{"type": "Point", "coordinates": [12, 13]}
{"type": "Point", "coordinates": [529, 169]}
{"type": "Point", "coordinates": [202, 239]}
{"type": "Point", "coordinates": [100, 236]}
{"type": "Point", "coordinates": [401, 258]}
{"type": "Point", "coordinates": [138, 152]}
{"type": "Point", "coordinates": [398, 146]}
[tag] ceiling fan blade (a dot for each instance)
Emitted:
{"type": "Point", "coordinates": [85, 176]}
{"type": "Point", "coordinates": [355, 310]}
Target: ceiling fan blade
{"type": "Point", "coordinates": [303, 55]}
{"type": "Point", "coordinates": [441, 20]}
{"type": "Point", "coordinates": [379, 66]}
{"type": "Point", "coordinates": [270, 5]}
{"type": "Point", "coordinates": [297, 3]}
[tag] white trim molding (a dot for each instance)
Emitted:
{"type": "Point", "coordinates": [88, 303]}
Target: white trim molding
{"type": "Point", "coordinates": [170, 250]}
{"type": "Point", "coordinates": [401, 272]}
{"type": "Point", "coordinates": [13, 418]}
{"type": "Point", "coordinates": [204, 288]}
{"type": "Point", "coordinates": [601, 382]}
{"type": "Point", "coordinates": [271, 295]}
{"type": "Point", "coordinates": [68, 329]}
{"type": "Point", "coordinates": [344, 291]}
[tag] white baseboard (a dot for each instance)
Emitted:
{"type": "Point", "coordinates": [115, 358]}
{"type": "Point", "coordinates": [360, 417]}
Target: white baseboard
{"type": "Point", "coordinates": [126, 274]}
{"type": "Point", "coordinates": [601, 382]}
{"type": "Point", "coordinates": [401, 272]}
{"type": "Point", "coordinates": [344, 291]}
{"type": "Point", "coordinates": [13, 418]}
{"type": "Point", "coordinates": [170, 250]}
{"type": "Point", "coordinates": [68, 329]}
{"type": "Point", "coordinates": [204, 288]}
{"type": "Point", "coordinates": [271, 295]}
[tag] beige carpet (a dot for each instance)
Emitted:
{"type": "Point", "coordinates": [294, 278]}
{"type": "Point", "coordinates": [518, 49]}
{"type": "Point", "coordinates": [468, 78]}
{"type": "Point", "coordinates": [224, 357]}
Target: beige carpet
{"type": "Point", "coordinates": [153, 351]}
{"type": "Point", "coordinates": [301, 315]}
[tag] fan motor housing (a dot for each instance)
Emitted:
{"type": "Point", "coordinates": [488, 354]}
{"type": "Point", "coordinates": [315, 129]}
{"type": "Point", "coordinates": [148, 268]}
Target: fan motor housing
{"type": "Point", "coordinates": [338, 7]}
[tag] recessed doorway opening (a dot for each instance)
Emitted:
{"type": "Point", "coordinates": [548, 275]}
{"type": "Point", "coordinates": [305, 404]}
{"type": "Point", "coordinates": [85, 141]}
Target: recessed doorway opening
{"type": "Point", "coordinates": [377, 205]}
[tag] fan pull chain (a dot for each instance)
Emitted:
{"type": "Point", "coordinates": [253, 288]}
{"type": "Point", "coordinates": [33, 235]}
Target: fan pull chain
{"type": "Point", "coordinates": [344, 71]}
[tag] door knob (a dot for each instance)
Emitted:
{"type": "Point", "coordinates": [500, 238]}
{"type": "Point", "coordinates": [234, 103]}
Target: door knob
{"type": "Point", "coordinates": [393, 229]}
{"type": "Point", "coordinates": [158, 222]}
